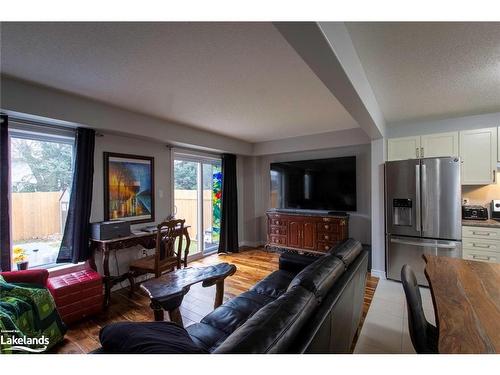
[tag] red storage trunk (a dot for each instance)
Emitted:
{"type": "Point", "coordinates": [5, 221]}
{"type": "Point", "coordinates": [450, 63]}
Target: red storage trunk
{"type": "Point", "coordinates": [77, 294]}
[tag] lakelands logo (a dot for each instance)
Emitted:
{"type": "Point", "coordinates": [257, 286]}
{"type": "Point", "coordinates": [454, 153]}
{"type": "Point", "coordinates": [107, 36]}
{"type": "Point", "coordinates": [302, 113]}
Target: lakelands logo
{"type": "Point", "coordinates": [24, 344]}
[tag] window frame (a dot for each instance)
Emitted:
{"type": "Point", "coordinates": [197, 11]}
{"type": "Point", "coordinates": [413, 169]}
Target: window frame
{"type": "Point", "coordinates": [40, 133]}
{"type": "Point", "coordinates": [196, 157]}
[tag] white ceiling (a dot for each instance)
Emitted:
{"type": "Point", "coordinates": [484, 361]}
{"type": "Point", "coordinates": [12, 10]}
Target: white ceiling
{"type": "Point", "coordinates": [430, 70]}
{"type": "Point", "coordinates": [238, 79]}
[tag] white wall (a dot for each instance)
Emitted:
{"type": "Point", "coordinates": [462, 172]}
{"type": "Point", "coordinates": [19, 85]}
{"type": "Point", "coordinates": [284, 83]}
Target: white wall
{"type": "Point", "coordinates": [360, 221]}
{"type": "Point", "coordinates": [339, 138]}
{"type": "Point", "coordinates": [378, 156]}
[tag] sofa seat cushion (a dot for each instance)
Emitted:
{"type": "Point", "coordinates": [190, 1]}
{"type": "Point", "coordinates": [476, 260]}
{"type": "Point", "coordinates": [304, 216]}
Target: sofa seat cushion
{"type": "Point", "coordinates": [320, 276]}
{"type": "Point", "coordinates": [274, 327]}
{"type": "Point", "coordinates": [274, 285]}
{"type": "Point", "coordinates": [347, 251]}
{"type": "Point", "coordinates": [147, 338]}
{"type": "Point", "coordinates": [236, 311]}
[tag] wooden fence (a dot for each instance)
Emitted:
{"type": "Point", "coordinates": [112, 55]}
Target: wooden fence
{"type": "Point", "coordinates": [186, 203]}
{"type": "Point", "coordinates": [38, 215]}
{"type": "Point", "coordinates": [35, 215]}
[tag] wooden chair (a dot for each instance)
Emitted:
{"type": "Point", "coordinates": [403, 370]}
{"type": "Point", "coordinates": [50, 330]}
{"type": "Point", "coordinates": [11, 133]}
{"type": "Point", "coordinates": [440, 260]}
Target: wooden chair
{"type": "Point", "coordinates": [165, 258]}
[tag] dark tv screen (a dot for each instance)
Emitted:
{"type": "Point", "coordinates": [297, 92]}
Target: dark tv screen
{"type": "Point", "coordinates": [322, 184]}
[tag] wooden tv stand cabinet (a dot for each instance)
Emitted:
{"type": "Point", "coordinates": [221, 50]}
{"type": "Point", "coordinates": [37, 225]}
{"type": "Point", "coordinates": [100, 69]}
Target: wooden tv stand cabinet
{"type": "Point", "coordinates": [305, 232]}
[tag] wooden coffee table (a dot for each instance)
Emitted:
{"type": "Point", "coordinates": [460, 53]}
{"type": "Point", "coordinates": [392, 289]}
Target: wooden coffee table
{"type": "Point", "coordinates": [167, 292]}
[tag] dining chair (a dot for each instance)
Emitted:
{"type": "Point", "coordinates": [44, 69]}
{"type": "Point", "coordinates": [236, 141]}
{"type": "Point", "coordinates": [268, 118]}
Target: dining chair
{"type": "Point", "coordinates": [424, 335]}
{"type": "Point", "coordinates": [165, 258]}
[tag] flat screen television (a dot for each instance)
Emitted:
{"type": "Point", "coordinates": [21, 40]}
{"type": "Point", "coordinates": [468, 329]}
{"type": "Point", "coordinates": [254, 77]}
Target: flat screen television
{"type": "Point", "coordinates": [321, 184]}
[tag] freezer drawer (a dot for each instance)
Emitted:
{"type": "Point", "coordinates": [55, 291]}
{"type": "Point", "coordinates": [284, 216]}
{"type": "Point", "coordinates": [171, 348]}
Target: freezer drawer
{"type": "Point", "coordinates": [409, 250]}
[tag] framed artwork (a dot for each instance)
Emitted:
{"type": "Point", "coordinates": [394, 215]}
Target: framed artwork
{"type": "Point", "coordinates": [129, 188]}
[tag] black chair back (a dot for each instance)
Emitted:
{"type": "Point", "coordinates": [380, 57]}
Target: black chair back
{"type": "Point", "coordinates": [424, 336]}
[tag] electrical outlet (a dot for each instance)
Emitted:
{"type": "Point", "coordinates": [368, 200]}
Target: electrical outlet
{"type": "Point", "coordinates": [465, 200]}
{"type": "Point", "coordinates": [144, 252]}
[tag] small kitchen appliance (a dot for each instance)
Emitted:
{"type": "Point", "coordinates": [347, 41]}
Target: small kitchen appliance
{"type": "Point", "coordinates": [495, 209]}
{"type": "Point", "coordinates": [470, 212]}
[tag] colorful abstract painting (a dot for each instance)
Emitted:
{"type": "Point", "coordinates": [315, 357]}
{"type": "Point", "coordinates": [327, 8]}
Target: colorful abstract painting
{"type": "Point", "coordinates": [216, 202]}
{"type": "Point", "coordinates": [129, 188]}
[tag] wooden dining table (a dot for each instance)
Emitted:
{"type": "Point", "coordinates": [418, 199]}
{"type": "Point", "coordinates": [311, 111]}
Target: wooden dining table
{"type": "Point", "coordinates": [466, 297]}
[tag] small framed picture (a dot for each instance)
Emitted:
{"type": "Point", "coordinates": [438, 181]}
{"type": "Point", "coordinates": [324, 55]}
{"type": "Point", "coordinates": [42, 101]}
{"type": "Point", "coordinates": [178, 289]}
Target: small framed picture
{"type": "Point", "coordinates": [129, 188]}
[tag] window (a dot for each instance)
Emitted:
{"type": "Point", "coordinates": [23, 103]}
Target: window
{"type": "Point", "coordinates": [41, 176]}
{"type": "Point", "coordinates": [197, 199]}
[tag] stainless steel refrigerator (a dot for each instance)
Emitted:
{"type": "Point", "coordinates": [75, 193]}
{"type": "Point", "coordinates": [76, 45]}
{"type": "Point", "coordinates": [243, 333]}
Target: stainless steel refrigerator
{"type": "Point", "coordinates": [423, 213]}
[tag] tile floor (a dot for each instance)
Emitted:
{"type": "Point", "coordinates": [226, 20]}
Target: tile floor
{"type": "Point", "coordinates": [385, 330]}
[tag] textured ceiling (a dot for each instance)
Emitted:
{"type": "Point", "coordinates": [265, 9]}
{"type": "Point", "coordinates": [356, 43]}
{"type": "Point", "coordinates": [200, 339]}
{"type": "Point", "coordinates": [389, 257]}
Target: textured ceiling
{"type": "Point", "coordinates": [238, 79]}
{"type": "Point", "coordinates": [430, 70]}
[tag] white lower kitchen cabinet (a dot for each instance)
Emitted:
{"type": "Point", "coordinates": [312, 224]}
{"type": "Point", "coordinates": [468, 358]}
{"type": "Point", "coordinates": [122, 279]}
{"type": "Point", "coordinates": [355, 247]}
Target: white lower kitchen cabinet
{"type": "Point", "coordinates": [481, 244]}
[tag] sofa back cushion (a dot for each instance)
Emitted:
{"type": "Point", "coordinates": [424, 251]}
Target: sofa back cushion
{"type": "Point", "coordinates": [347, 251]}
{"type": "Point", "coordinates": [319, 276]}
{"type": "Point", "coordinates": [274, 327]}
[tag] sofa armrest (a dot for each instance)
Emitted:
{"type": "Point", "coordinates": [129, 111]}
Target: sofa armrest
{"type": "Point", "coordinates": [37, 276]}
{"type": "Point", "coordinates": [295, 263]}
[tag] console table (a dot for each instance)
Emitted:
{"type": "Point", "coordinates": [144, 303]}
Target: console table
{"type": "Point", "coordinates": [305, 231]}
{"type": "Point", "coordinates": [144, 239]}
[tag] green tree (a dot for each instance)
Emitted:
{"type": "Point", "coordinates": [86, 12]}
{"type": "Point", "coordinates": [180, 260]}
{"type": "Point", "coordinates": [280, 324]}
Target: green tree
{"type": "Point", "coordinates": [185, 173]}
{"type": "Point", "coordinates": [50, 165]}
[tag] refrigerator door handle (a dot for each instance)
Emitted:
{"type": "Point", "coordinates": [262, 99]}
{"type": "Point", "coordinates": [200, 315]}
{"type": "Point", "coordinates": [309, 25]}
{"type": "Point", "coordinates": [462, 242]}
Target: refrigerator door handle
{"type": "Point", "coordinates": [418, 223]}
{"type": "Point", "coordinates": [424, 244]}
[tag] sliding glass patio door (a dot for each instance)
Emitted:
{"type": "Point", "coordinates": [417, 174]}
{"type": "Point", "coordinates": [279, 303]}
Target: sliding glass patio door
{"type": "Point", "coordinates": [197, 186]}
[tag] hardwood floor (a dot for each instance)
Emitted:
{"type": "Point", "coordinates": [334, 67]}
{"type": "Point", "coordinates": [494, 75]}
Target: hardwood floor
{"type": "Point", "coordinates": [253, 265]}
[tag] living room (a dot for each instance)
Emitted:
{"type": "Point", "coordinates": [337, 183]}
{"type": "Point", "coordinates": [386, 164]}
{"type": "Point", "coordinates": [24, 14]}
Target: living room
{"type": "Point", "coordinates": [239, 187]}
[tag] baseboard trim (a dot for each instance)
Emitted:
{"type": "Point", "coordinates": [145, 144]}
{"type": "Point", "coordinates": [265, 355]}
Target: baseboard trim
{"type": "Point", "coordinates": [252, 243]}
{"type": "Point", "coordinates": [378, 273]}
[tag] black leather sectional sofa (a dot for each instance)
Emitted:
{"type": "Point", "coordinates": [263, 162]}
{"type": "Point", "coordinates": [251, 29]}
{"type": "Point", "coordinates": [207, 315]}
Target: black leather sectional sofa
{"type": "Point", "coordinates": [310, 305]}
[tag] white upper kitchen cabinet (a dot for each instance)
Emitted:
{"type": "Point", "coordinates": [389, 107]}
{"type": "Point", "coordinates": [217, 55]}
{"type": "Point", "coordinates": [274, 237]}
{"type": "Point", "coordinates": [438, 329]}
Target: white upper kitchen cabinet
{"type": "Point", "coordinates": [478, 150]}
{"type": "Point", "coordinates": [437, 145]}
{"type": "Point", "coordinates": [403, 148]}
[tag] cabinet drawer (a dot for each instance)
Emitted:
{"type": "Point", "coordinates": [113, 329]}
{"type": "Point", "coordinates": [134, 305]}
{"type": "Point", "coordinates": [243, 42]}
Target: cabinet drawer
{"type": "Point", "coordinates": [327, 236]}
{"type": "Point", "coordinates": [324, 246]}
{"type": "Point", "coordinates": [481, 233]}
{"type": "Point", "coordinates": [278, 240]}
{"type": "Point", "coordinates": [328, 227]}
{"type": "Point", "coordinates": [481, 255]}
{"type": "Point", "coordinates": [278, 230]}
{"type": "Point", "coordinates": [278, 222]}
{"type": "Point", "coordinates": [481, 244]}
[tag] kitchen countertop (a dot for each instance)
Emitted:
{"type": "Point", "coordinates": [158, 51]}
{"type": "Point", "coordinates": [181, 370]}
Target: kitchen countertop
{"type": "Point", "coordinates": [481, 223]}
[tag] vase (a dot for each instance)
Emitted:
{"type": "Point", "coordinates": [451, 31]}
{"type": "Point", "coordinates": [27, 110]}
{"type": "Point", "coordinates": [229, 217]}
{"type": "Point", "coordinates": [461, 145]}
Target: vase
{"type": "Point", "coordinates": [22, 266]}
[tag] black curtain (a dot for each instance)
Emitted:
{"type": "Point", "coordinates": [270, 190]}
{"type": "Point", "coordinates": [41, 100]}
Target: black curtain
{"type": "Point", "coordinates": [229, 206]}
{"type": "Point", "coordinates": [75, 244]}
{"type": "Point", "coordinates": [4, 195]}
